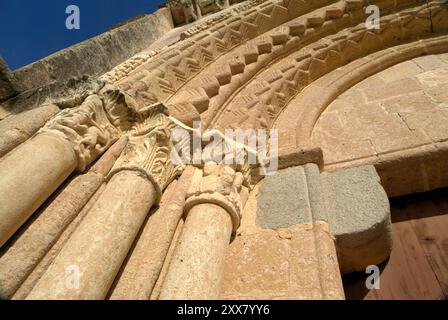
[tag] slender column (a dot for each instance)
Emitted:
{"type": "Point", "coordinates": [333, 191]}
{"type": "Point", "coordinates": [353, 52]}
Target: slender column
{"type": "Point", "coordinates": [28, 176]}
{"type": "Point", "coordinates": [90, 260]}
{"type": "Point", "coordinates": [72, 139]}
{"type": "Point", "coordinates": [213, 211]}
{"type": "Point", "coordinates": [25, 288]}
{"type": "Point", "coordinates": [88, 263]}
{"type": "Point", "coordinates": [36, 238]}
{"type": "Point", "coordinates": [17, 128]}
{"type": "Point", "coordinates": [141, 272]}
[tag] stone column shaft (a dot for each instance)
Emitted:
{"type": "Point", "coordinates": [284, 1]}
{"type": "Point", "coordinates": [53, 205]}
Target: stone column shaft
{"type": "Point", "coordinates": [28, 176]}
{"type": "Point", "coordinates": [197, 267]}
{"type": "Point", "coordinates": [17, 128]}
{"type": "Point", "coordinates": [96, 250]}
{"type": "Point", "coordinates": [213, 211]}
{"type": "Point", "coordinates": [25, 288]}
{"type": "Point", "coordinates": [71, 140]}
{"type": "Point", "coordinates": [38, 236]}
{"type": "Point", "coordinates": [142, 270]}
{"type": "Point", "coordinates": [100, 244]}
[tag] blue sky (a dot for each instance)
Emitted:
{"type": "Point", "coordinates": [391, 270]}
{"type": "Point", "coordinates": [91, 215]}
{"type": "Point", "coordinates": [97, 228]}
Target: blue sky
{"type": "Point", "coordinates": [33, 29]}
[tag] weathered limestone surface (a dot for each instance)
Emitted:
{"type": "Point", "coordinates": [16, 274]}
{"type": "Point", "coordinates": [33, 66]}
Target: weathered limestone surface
{"type": "Point", "coordinates": [155, 294]}
{"type": "Point", "coordinates": [188, 11]}
{"type": "Point", "coordinates": [17, 128]}
{"type": "Point", "coordinates": [213, 211]}
{"type": "Point", "coordinates": [395, 120]}
{"type": "Point", "coordinates": [35, 239]}
{"type": "Point", "coordinates": [298, 262]}
{"type": "Point", "coordinates": [25, 252]}
{"type": "Point", "coordinates": [24, 187]}
{"type": "Point", "coordinates": [141, 271]}
{"type": "Point", "coordinates": [26, 287]}
{"type": "Point", "coordinates": [359, 215]}
{"type": "Point", "coordinates": [290, 156]}
{"type": "Point", "coordinates": [71, 140]}
{"type": "Point", "coordinates": [351, 201]}
{"type": "Point", "coordinates": [100, 244]}
{"type": "Point", "coordinates": [309, 48]}
{"type": "Point", "coordinates": [196, 269]}
{"type": "Point", "coordinates": [262, 64]}
{"type": "Point", "coordinates": [6, 88]}
{"type": "Point", "coordinates": [97, 55]}
{"type": "Point", "coordinates": [98, 247]}
{"type": "Point", "coordinates": [63, 94]}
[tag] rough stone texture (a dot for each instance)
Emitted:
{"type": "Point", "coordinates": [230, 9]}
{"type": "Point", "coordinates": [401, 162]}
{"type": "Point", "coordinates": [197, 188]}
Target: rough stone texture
{"type": "Point", "coordinates": [19, 258]}
{"type": "Point", "coordinates": [213, 211]}
{"type": "Point", "coordinates": [104, 164]}
{"type": "Point", "coordinates": [6, 88]}
{"type": "Point", "coordinates": [97, 55]}
{"type": "Point", "coordinates": [289, 197]}
{"type": "Point", "coordinates": [17, 128]}
{"type": "Point", "coordinates": [299, 262]}
{"type": "Point", "coordinates": [352, 201]}
{"type": "Point", "coordinates": [63, 94]}
{"type": "Point", "coordinates": [271, 89]}
{"type": "Point", "coordinates": [265, 64]}
{"type": "Point", "coordinates": [359, 214]}
{"type": "Point", "coordinates": [289, 157]}
{"type": "Point", "coordinates": [155, 294]}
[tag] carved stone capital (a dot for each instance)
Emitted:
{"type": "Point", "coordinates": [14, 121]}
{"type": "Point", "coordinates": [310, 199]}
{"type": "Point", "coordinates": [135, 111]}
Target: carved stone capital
{"type": "Point", "coordinates": [95, 124]}
{"type": "Point", "coordinates": [221, 185]}
{"type": "Point", "coordinates": [149, 149]}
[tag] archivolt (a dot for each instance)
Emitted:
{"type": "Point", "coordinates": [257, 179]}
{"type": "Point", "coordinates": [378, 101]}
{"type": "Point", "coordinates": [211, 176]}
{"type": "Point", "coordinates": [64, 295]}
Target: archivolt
{"type": "Point", "coordinates": [259, 104]}
{"type": "Point", "coordinates": [313, 100]}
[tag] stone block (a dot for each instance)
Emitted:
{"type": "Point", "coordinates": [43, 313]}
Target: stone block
{"type": "Point", "coordinates": [283, 200]}
{"type": "Point", "coordinates": [283, 264]}
{"type": "Point", "coordinates": [291, 196]}
{"type": "Point", "coordinates": [359, 213]}
{"type": "Point", "coordinates": [352, 201]}
{"type": "Point", "coordinates": [400, 71]}
{"type": "Point", "coordinates": [392, 89]}
{"type": "Point", "coordinates": [434, 124]}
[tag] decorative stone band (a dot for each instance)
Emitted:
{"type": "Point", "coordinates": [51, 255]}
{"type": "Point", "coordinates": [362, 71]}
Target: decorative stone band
{"type": "Point", "coordinates": [150, 153]}
{"type": "Point", "coordinates": [221, 185]}
{"type": "Point", "coordinates": [93, 126]}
